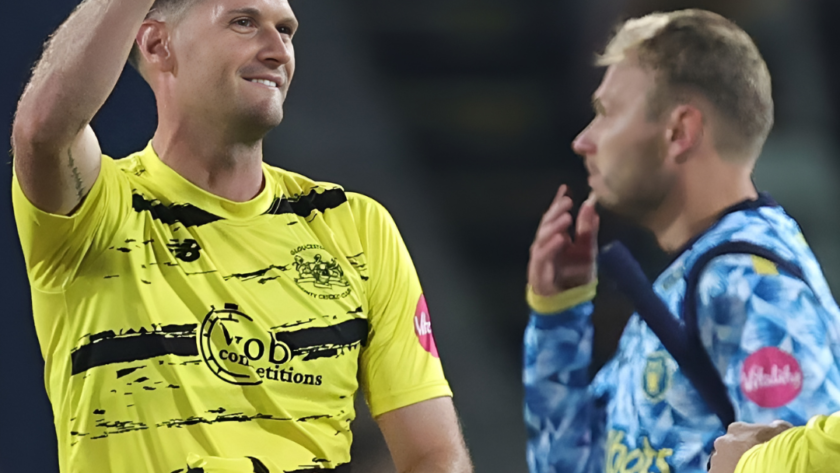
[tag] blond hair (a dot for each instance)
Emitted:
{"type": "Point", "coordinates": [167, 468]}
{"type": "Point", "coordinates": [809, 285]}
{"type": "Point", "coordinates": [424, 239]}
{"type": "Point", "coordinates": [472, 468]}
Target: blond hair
{"type": "Point", "coordinates": [699, 52]}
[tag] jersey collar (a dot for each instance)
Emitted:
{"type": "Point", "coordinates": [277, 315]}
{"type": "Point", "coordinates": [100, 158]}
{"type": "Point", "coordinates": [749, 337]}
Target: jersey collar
{"type": "Point", "coordinates": [180, 191]}
{"type": "Point", "coordinates": [764, 200]}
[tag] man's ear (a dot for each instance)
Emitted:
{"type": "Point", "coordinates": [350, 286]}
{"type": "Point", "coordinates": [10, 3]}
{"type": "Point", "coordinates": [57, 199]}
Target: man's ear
{"type": "Point", "coordinates": [153, 41]}
{"type": "Point", "coordinates": [684, 131]}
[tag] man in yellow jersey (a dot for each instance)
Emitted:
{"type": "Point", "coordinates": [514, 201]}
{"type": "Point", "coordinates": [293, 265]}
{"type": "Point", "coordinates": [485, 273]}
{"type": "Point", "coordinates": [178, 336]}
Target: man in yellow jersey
{"type": "Point", "coordinates": [779, 448]}
{"type": "Point", "coordinates": [199, 310]}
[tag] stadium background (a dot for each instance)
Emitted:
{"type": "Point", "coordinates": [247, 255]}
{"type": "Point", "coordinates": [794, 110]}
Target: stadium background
{"type": "Point", "coordinates": [457, 115]}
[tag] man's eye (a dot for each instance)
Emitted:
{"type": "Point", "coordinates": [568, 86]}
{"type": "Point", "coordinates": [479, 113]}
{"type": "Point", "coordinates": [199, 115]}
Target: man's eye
{"type": "Point", "coordinates": [244, 22]}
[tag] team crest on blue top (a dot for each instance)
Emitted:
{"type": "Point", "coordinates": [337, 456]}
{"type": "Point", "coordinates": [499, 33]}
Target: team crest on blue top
{"type": "Point", "coordinates": [656, 378]}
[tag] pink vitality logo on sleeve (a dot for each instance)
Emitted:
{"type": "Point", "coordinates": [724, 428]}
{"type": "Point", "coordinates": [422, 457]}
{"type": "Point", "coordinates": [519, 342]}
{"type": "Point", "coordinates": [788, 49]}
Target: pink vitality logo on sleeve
{"type": "Point", "coordinates": [771, 378]}
{"type": "Point", "coordinates": [423, 327]}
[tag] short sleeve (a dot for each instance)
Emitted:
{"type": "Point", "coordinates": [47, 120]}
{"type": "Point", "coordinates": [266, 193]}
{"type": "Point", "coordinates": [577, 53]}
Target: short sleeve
{"type": "Point", "coordinates": [776, 456]}
{"type": "Point", "coordinates": [56, 246]}
{"type": "Point", "coordinates": [400, 365]}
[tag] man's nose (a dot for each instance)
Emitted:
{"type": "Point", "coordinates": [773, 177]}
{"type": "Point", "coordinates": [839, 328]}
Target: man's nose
{"type": "Point", "coordinates": [583, 143]}
{"type": "Point", "coordinates": [278, 48]}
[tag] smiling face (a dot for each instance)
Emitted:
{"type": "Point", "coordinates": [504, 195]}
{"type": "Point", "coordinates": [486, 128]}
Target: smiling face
{"type": "Point", "coordinates": [623, 147]}
{"type": "Point", "coordinates": [233, 63]}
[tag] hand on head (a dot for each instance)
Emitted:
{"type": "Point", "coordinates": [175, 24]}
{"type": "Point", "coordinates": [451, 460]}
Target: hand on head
{"type": "Point", "coordinates": [559, 261]}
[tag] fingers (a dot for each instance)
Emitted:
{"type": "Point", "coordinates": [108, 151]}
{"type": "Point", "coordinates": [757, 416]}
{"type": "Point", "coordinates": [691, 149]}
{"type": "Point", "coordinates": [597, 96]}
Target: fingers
{"type": "Point", "coordinates": [552, 236]}
{"type": "Point", "coordinates": [737, 427]}
{"type": "Point", "coordinates": [741, 427]}
{"type": "Point", "coordinates": [775, 428]}
{"type": "Point", "coordinates": [557, 218]}
{"type": "Point", "coordinates": [559, 206]}
{"type": "Point", "coordinates": [781, 425]}
{"type": "Point", "coordinates": [758, 433]}
{"type": "Point", "coordinates": [719, 444]}
{"type": "Point", "coordinates": [557, 261]}
{"type": "Point", "coordinates": [548, 229]}
{"type": "Point", "coordinates": [588, 221]}
{"type": "Point", "coordinates": [542, 268]}
{"type": "Point", "coordinates": [543, 256]}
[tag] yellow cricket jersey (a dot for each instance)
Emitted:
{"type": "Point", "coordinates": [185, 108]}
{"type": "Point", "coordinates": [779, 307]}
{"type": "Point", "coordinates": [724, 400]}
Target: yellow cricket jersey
{"type": "Point", "coordinates": [182, 330]}
{"type": "Point", "coordinates": [812, 448]}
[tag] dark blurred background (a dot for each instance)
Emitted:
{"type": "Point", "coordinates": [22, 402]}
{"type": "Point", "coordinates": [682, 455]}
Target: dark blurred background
{"type": "Point", "coordinates": [457, 115]}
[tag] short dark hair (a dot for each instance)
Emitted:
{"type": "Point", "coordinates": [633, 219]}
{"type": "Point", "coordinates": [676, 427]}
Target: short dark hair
{"type": "Point", "coordinates": [699, 51]}
{"type": "Point", "coordinates": [161, 9]}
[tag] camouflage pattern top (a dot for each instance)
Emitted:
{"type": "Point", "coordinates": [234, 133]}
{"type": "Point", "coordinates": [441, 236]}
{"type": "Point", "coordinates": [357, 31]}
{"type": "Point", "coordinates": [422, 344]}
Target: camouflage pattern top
{"type": "Point", "coordinates": [773, 337]}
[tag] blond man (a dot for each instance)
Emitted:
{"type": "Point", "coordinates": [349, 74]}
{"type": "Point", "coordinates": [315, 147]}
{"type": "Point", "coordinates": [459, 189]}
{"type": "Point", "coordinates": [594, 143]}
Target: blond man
{"type": "Point", "coordinates": [680, 120]}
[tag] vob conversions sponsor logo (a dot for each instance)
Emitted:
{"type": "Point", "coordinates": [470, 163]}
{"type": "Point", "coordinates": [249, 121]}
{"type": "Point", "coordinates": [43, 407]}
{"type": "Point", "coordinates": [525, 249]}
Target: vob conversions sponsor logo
{"type": "Point", "coordinates": [319, 275]}
{"type": "Point", "coordinates": [239, 352]}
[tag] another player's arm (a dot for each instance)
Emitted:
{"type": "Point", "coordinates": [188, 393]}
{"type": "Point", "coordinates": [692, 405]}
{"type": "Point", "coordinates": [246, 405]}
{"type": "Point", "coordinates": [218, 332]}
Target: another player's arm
{"type": "Point", "coordinates": [57, 155]}
{"type": "Point", "coordinates": [746, 304]}
{"type": "Point", "coordinates": [560, 412]}
{"type": "Point", "coordinates": [774, 453]}
{"type": "Point", "coordinates": [426, 438]}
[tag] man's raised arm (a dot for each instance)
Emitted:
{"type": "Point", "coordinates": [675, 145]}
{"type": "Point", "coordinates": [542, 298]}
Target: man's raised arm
{"type": "Point", "coordinates": [57, 155]}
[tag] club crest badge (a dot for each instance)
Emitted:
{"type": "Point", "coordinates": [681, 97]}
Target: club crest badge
{"type": "Point", "coordinates": [656, 378]}
{"type": "Point", "coordinates": [319, 274]}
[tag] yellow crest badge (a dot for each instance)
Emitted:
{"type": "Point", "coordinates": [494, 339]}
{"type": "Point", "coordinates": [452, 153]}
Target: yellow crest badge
{"type": "Point", "coordinates": [656, 378]}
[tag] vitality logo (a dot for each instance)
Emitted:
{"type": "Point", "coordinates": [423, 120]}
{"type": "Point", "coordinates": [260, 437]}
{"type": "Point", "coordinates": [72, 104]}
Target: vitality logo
{"type": "Point", "coordinates": [771, 377]}
{"type": "Point", "coordinates": [423, 327]}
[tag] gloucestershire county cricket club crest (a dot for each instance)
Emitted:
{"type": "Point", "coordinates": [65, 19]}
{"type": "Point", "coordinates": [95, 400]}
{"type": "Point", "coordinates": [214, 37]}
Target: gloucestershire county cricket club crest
{"type": "Point", "coordinates": [319, 276]}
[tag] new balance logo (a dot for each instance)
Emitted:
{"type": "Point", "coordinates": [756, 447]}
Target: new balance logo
{"type": "Point", "coordinates": [187, 250]}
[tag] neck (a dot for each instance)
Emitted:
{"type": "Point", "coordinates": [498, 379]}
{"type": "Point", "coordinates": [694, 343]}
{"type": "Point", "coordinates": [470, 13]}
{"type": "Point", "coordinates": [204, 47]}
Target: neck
{"type": "Point", "coordinates": [696, 205]}
{"type": "Point", "coordinates": [228, 168]}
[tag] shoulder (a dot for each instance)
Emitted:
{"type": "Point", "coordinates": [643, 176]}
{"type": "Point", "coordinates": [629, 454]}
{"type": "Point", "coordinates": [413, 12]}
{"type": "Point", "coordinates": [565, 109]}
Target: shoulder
{"type": "Point", "coordinates": [762, 242]}
{"type": "Point", "coordinates": [742, 273]}
{"type": "Point", "coordinates": [365, 204]}
{"type": "Point", "coordinates": [743, 227]}
{"type": "Point", "coordinates": [371, 216]}
{"type": "Point", "coordinates": [364, 209]}
{"type": "Point", "coordinates": [766, 227]}
{"type": "Point", "coordinates": [749, 254]}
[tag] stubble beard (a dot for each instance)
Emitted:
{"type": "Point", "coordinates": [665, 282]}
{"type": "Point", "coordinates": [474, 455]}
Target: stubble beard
{"type": "Point", "coordinates": [638, 196]}
{"type": "Point", "coordinates": [255, 122]}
